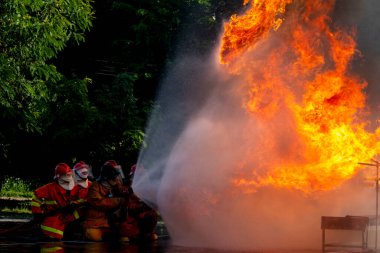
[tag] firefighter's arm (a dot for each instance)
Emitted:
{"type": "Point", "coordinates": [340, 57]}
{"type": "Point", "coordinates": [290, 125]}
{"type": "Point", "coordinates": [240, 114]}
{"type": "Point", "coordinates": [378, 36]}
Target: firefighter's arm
{"type": "Point", "coordinates": [42, 202]}
{"type": "Point", "coordinates": [95, 199]}
{"type": "Point", "coordinates": [134, 202]}
{"type": "Point", "coordinates": [41, 205]}
{"type": "Point", "coordinates": [37, 208]}
{"type": "Point", "coordinates": [78, 202]}
{"type": "Point", "coordinates": [37, 204]}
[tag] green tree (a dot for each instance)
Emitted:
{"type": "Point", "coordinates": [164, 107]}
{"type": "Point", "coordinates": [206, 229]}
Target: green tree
{"type": "Point", "coordinates": [32, 33]}
{"type": "Point", "coordinates": [122, 119]}
{"type": "Point", "coordinates": [64, 102]}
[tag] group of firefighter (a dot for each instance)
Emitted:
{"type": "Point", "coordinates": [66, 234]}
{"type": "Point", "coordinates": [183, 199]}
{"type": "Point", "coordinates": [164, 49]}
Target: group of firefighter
{"type": "Point", "coordinates": [74, 207]}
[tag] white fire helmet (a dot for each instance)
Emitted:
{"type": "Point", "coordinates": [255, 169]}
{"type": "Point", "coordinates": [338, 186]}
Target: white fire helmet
{"type": "Point", "coordinates": [81, 173]}
{"type": "Point", "coordinates": [64, 176]}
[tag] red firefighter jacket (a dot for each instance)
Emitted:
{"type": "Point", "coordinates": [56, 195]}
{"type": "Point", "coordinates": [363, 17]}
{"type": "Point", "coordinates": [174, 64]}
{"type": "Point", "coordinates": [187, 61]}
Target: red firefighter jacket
{"type": "Point", "coordinates": [102, 204]}
{"type": "Point", "coordinates": [52, 197]}
{"type": "Point", "coordinates": [52, 201]}
{"type": "Point", "coordinates": [83, 192]}
{"type": "Point", "coordinates": [82, 195]}
{"type": "Point", "coordinates": [81, 202]}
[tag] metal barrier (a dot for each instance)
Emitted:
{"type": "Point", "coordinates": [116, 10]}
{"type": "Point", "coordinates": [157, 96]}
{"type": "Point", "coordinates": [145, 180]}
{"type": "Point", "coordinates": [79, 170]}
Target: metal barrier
{"type": "Point", "coordinates": [359, 223]}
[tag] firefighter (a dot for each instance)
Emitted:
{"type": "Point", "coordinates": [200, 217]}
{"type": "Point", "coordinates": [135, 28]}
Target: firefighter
{"type": "Point", "coordinates": [53, 205]}
{"type": "Point", "coordinates": [105, 204]}
{"type": "Point", "coordinates": [81, 174]}
{"type": "Point", "coordinates": [114, 207]}
{"type": "Point", "coordinates": [140, 214]}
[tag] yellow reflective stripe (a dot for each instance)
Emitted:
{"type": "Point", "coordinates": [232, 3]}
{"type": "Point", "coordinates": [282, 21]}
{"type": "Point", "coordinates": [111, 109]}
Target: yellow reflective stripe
{"type": "Point", "coordinates": [36, 199]}
{"type": "Point", "coordinates": [52, 230]}
{"type": "Point", "coordinates": [78, 201]}
{"type": "Point", "coordinates": [50, 202]}
{"type": "Point", "coordinates": [76, 214]}
{"type": "Point", "coordinates": [51, 249]}
{"type": "Point", "coordinates": [36, 204]}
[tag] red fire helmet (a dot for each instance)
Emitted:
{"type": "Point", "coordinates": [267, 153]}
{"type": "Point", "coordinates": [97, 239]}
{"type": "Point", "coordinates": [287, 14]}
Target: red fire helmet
{"type": "Point", "coordinates": [61, 169]}
{"type": "Point", "coordinates": [82, 171]}
{"type": "Point", "coordinates": [81, 165]}
{"type": "Point", "coordinates": [112, 163]}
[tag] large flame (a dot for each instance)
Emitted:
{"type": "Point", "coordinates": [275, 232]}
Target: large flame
{"type": "Point", "coordinates": [305, 74]}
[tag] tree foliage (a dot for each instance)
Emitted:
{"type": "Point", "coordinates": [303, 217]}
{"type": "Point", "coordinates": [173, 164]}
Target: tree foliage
{"type": "Point", "coordinates": [65, 101]}
{"type": "Point", "coordinates": [32, 33]}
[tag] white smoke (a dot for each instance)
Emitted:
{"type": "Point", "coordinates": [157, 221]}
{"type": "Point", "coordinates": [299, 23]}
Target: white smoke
{"type": "Point", "coordinates": [197, 137]}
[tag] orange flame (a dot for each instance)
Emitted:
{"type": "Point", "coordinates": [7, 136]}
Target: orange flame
{"type": "Point", "coordinates": [295, 65]}
{"type": "Point", "coordinates": [242, 32]}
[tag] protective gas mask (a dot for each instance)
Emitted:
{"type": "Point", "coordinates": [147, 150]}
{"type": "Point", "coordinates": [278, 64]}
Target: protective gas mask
{"type": "Point", "coordinates": [66, 181]}
{"type": "Point", "coordinates": [81, 177]}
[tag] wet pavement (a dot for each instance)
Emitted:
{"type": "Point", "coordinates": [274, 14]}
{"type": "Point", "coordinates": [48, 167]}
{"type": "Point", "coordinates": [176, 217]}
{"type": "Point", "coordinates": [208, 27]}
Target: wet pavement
{"type": "Point", "coordinates": [160, 246]}
{"type": "Point", "coordinates": [19, 235]}
{"type": "Point", "coordinates": [27, 244]}
{"type": "Point", "coordinates": [83, 247]}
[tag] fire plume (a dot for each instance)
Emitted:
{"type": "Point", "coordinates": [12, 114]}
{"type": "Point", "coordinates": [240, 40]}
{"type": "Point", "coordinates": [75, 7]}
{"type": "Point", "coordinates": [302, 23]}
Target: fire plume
{"type": "Point", "coordinates": [243, 32]}
{"type": "Point", "coordinates": [294, 64]}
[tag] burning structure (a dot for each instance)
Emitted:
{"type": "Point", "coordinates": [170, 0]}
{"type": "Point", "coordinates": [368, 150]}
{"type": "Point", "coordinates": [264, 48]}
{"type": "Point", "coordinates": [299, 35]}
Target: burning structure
{"type": "Point", "coordinates": [261, 140]}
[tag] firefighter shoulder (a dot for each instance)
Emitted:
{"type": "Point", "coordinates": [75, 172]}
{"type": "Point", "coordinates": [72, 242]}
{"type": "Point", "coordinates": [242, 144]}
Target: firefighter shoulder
{"type": "Point", "coordinates": [53, 205]}
{"type": "Point", "coordinates": [100, 220]}
{"type": "Point", "coordinates": [81, 174]}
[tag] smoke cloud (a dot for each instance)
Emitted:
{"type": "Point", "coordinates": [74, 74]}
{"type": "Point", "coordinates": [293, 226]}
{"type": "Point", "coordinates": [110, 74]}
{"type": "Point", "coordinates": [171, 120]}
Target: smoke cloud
{"type": "Point", "coordinates": [198, 141]}
{"type": "Point", "coordinates": [364, 16]}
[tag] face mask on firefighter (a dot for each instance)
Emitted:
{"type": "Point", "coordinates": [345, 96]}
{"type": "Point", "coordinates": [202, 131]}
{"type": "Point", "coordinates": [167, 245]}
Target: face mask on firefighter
{"type": "Point", "coordinates": [66, 181]}
{"type": "Point", "coordinates": [81, 177]}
